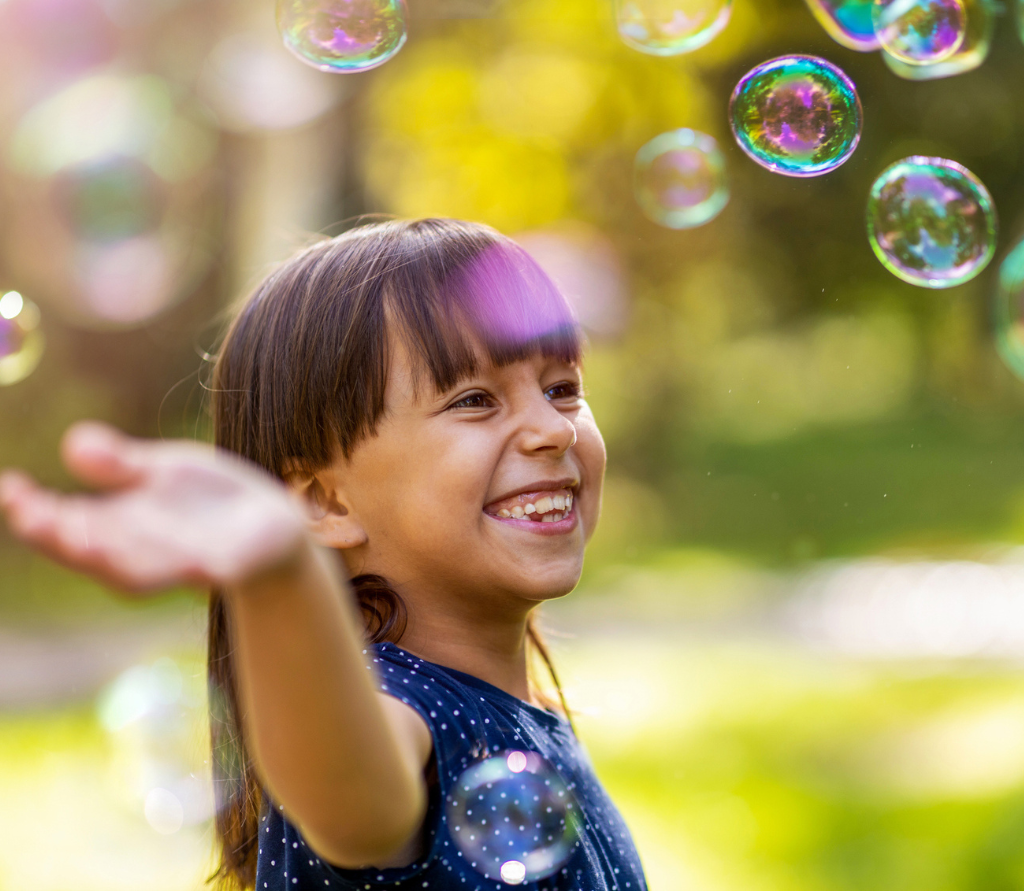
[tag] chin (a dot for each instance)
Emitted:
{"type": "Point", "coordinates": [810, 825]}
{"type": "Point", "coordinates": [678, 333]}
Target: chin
{"type": "Point", "coordinates": [550, 584]}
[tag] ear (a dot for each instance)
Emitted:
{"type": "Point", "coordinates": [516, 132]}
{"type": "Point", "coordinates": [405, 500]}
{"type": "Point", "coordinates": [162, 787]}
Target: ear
{"type": "Point", "coordinates": [331, 519]}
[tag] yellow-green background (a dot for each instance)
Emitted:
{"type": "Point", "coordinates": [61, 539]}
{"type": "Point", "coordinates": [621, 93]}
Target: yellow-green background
{"type": "Point", "coordinates": [775, 399]}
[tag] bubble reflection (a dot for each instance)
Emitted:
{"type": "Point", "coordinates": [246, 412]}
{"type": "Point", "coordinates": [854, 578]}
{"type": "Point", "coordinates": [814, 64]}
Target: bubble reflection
{"type": "Point", "coordinates": [848, 22]}
{"type": "Point", "coordinates": [920, 32]}
{"type": "Point", "coordinates": [679, 179]}
{"type": "Point", "coordinates": [21, 340]}
{"type": "Point", "coordinates": [342, 35]}
{"type": "Point", "coordinates": [796, 115]}
{"type": "Point", "coordinates": [931, 222]}
{"type": "Point", "coordinates": [671, 27]}
{"type": "Point", "coordinates": [513, 818]}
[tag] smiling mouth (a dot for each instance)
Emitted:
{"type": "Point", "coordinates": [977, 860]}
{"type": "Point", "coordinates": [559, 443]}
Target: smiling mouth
{"type": "Point", "coordinates": [539, 507]}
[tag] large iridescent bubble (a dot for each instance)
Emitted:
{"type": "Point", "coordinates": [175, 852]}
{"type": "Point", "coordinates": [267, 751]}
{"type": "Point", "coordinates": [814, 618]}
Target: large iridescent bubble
{"type": "Point", "coordinates": [1008, 311]}
{"type": "Point", "coordinates": [343, 35]}
{"type": "Point", "coordinates": [679, 179]}
{"type": "Point", "coordinates": [796, 115]}
{"type": "Point", "coordinates": [979, 29]}
{"type": "Point", "coordinates": [920, 32]}
{"type": "Point", "coordinates": [670, 27]}
{"type": "Point", "coordinates": [21, 340]}
{"type": "Point", "coordinates": [931, 222]}
{"type": "Point", "coordinates": [513, 817]}
{"type": "Point", "coordinates": [848, 22]}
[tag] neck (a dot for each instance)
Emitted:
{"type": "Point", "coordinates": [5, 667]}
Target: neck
{"type": "Point", "coordinates": [493, 651]}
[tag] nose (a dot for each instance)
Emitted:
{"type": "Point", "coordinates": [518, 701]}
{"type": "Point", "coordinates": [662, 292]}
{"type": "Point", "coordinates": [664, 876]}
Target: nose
{"type": "Point", "coordinates": [546, 429]}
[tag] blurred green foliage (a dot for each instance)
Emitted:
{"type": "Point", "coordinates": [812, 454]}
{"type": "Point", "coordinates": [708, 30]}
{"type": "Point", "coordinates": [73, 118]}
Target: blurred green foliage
{"type": "Point", "coordinates": [775, 393]}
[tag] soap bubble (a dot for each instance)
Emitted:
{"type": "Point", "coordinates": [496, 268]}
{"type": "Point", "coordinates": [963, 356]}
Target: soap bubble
{"type": "Point", "coordinates": [253, 83]}
{"type": "Point", "coordinates": [848, 22]}
{"type": "Point", "coordinates": [931, 222]}
{"type": "Point", "coordinates": [110, 199]}
{"type": "Point", "coordinates": [342, 36]}
{"type": "Point", "coordinates": [796, 115]}
{"type": "Point", "coordinates": [920, 32]}
{"type": "Point", "coordinates": [113, 199]}
{"type": "Point", "coordinates": [1008, 311]}
{"type": "Point", "coordinates": [513, 817]}
{"type": "Point", "coordinates": [671, 27]}
{"type": "Point", "coordinates": [155, 718]}
{"type": "Point", "coordinates": [979, 18]}
{"type": "Point", "coordinates": [21, 340]}
{"type": "Point", "coordinates": [679, 179]}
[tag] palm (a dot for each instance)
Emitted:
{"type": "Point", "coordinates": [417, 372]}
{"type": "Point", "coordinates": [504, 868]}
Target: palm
{"type": "Point", "coordinates": [173, 513]}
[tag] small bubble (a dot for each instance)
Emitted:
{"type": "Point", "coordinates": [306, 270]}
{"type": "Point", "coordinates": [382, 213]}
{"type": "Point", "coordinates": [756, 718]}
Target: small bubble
{"type": "Point", "coordinates": [920, 32]}
{"type": "Point", "coordinates": [1008, 311]}
{"type": "Point", "coordinates": [978, 31]}
{"type": "Point", "coordinates": [679, 179]}
{"type": "Point", "coordinates": [671, 27]}
{"type": "Point", "coordinates": [931, 222]}
{"type": "Point", "coordinates": [21, 340]}
{"type": "Point", "coordinates": [342, 36]}
{"type": "Point", "coordinates": [796, 115]}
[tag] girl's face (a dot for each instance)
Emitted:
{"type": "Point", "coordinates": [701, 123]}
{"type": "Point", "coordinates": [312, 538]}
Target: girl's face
{"type": "Point", "coordinates": [484, 494]}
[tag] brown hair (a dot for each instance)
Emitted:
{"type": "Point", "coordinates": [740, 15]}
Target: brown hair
{"type": "Point", "coordinates": [301, 375]}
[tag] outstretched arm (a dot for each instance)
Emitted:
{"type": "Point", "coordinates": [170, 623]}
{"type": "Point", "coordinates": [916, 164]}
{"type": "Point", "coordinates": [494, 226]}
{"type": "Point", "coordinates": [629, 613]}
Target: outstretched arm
{"type": "Point", "coordinates": [345, 761]}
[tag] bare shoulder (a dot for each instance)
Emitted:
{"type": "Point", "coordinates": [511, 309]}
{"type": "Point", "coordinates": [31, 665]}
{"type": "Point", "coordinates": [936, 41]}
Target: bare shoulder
{"type": "Point", "coordinates": [410, 727]}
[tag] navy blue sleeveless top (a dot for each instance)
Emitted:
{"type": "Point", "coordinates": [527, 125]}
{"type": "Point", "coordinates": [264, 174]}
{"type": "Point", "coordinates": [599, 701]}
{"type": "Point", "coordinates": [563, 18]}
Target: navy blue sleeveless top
{"type": "Point", "coordinates": [469, 719]}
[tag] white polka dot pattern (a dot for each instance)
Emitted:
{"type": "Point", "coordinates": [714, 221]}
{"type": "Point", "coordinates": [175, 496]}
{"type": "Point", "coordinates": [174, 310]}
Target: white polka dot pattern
{"type": "Point", "coordinates": [471, 722]}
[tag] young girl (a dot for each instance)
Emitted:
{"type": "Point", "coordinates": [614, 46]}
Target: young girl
{"type": "Point", "coordinates": [407, 401]}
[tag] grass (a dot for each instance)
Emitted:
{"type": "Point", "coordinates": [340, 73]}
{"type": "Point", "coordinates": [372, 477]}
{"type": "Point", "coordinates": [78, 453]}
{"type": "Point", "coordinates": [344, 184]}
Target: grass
{"type": "Point", "coordinates": [738, 763]}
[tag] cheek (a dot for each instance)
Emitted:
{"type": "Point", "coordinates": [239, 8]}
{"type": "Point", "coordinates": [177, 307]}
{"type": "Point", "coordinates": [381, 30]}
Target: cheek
{"type": "Point", "coordinates": [438, 478]}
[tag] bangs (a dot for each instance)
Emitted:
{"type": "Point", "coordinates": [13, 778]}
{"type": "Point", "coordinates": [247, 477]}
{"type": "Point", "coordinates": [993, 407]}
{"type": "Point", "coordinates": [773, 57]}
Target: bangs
{"type": "Point", "coordinates": [496, 296]}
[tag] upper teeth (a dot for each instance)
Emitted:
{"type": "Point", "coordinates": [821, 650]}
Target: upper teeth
{"type": "Point", "coordinates": [548, 508]}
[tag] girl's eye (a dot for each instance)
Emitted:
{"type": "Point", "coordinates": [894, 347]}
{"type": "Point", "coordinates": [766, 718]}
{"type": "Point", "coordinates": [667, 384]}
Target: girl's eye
{"type": "Point", "coordinates": [565, 390]}
{"type": "Point", "coordinates": [473, 400]}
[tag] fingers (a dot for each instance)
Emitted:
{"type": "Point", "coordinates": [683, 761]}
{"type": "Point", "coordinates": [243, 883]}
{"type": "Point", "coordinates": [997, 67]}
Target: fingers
{"type": "Point", "coordinates": [69, 530]}
{"type": "Point", "coordinates": [100, 455]}
{"type": "Point", "coordinates": [13, 484]}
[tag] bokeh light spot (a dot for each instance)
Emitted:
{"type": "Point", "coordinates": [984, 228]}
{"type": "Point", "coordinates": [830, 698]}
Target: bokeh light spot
{"type": "Point", "coordinates": [920, 32]}
{"type": "Point", "coordinates": [796, 115]}
{"type": "Point", "coordinates": [671, 27]}
{"type": "Point", "coordinates": [513, 825]}
{"type": "Point", "coordinates": [342, 36]}
{"type": "Point", "coordinates": [679, 179]}
{"type": "Point", "coordinates": [931, 222]}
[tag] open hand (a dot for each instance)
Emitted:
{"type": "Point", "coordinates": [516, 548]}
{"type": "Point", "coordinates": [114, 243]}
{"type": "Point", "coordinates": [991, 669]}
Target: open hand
{"type": "Point", "coordinates": [168, 513]}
